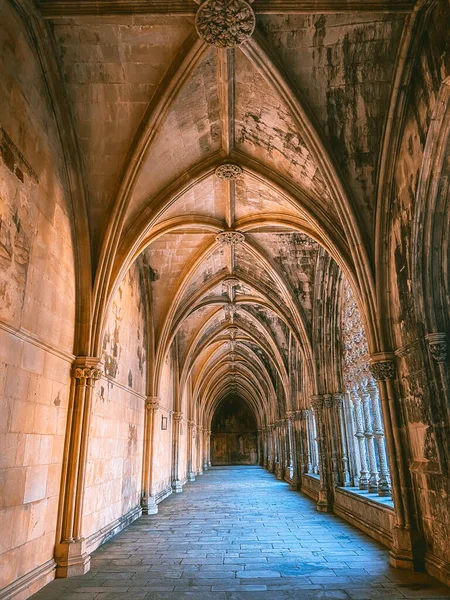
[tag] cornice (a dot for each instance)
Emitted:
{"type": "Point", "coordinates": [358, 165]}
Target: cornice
{"type": "Point", "coordinates": [53, 9]}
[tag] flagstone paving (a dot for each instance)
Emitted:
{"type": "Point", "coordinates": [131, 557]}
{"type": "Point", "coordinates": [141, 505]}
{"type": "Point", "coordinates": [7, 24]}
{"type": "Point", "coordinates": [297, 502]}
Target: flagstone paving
{"type": "Point", "coordinates": [238, 533]}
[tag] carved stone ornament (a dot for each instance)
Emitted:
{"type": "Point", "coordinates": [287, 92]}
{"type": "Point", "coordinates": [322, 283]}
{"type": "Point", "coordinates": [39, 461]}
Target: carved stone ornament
{"type": "Point", "coordinates": [177, 416]}
{"type": "Point", "coordinates": [231, 283]}
{"type": "Point", "coordinates": [92, 373]}
{"type": "Point", "coordinates": [228, 171]}
{"type": "Point", "coordinates": [152, 403]}
{"type": "Point", "coordinates": [233, 331]}
{"type": "Point", "coordinates": [383, 370]}
{"type": "Point", "coordinates": [317, 402]}
{"type": "Point", "coordinates": [225, 23]}
{"type": "Point", "coordinates": [328, 401]}
{"type": "Point", "coordinates": [437, 343]}
{"type": "Point", "coordinates": [230, 309]}
{"type": "Point", "coordinates": [338, 400]}
{"type": "Point", "coordinates": [230, 238]}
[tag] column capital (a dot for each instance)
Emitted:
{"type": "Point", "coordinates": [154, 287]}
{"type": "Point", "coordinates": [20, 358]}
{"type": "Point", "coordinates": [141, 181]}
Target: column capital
{"type": "Point", "coordinates": [152, 403]}
{"type": "Point", "coordinates": [328, 401]}
{"type": "Point", "coordinates": [382, 365]}
{"type": "Point", "coordinates": [301, 414]}
{"type": "Point", "coordinates": [177, 416]}
{"type": "Point", "coordinates": [438, 346]}
{"type": "Point", "coordinates": [316, 402]}
{"type": "Point", "coordinates": [191, 424]}
{"type": "Point", "coordinates": [338, 399]}
{"type": "Point", "coordinates": [87, 368]}
{"type": "Point", "coordinates": [290, 414]}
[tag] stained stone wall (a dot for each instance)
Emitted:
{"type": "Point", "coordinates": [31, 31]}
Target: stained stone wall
{"type": "Point", "coordinates": [37, 307]}
{"type": "Point", "coordinates": [233, 434]}
{"type": "Point", "coordinates": [424, 418]}
{"type": "Point", "coordinates": [163, 437]}
{"type": "Point", "coordinates": [113, 479]}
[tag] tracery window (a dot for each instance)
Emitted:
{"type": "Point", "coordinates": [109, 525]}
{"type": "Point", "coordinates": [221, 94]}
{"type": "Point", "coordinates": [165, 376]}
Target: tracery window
{"type": "Point", "coordinates": [363, 423]}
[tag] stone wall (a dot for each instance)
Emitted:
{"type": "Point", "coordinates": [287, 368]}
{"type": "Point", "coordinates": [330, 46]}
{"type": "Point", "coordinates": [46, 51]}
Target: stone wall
{"type": "Point", "coordinates": [37, 309]}
{"type": "Point", "coordinates": [113, 479]}
{"type": "Point", "coordinates": [233, 434]}
{"type": "Point", "coordinates": [424, 418]}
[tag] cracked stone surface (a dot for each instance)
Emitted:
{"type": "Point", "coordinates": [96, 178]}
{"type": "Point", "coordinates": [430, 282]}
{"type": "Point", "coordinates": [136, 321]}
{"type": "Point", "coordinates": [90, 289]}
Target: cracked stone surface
{"type": "Point", "coordinates": [239, 533]}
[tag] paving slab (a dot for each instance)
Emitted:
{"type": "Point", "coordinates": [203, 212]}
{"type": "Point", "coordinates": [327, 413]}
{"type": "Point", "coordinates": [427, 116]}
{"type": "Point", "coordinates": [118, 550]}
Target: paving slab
{"type": "Point", "coordinates": [237, 533]}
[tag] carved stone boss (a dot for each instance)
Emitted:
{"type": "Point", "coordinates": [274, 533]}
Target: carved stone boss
{"type": "Point", "coordinates": [225, 23]}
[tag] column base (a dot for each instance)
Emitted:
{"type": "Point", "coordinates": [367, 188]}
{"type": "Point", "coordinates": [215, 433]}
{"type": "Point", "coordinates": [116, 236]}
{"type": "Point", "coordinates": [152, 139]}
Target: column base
{"type": "Point", "coordinates": [199, 472]}
{"type": "Point", "coordinates": [294, 485]}
{"type": "Point", "coordinates": [191, 476]}
{"type": "Point", "coordinates": [324, 506]}
{"type": "Point", "coordinates": [205, 466]}
{"type": "Point", "coordinates": [209, 465]}
{"type": "Point", "coordinates": [149, 506]}
{"type": "Point", "coordinates": [407, 551]}
{"type": "Point", "coordinates": [177, 488]}
{"type": "Point", "coordinates": [72, 559]}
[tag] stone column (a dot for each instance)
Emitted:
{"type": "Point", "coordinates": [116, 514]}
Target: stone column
{"type": "Point", "coordinates": [384, 482]}
{"type": "Point", "coordinates": [340, 424]}
{"type": "Point", "coordinates": [370, 439]}
{"type": "Point", "coordinates": [273, 447]}
{"type": "Point", "coordinates": [148, 501]}
{"type": "Point", "coordinates": [191, 447]}
{"type": "Point", "coordinates": [332, 440]}
{"type": "Point", "coordinates": [205, 449]}
{"type": "Point", "coordinates": [359, 423]}
{"type": "Point", "coordinates": [260, 447]}
{"type": "Point", "coordinates": [290, 443]}
{"type": "Point", "coordinates": [407, 544]}
{"type": "Point", "coordinates": [176, 422]}
{"type": "Point", "coordinates": [70, 552]}
{"type": "Point", "coordinates": [208, 447]}
{"type": "Point", "coordinates": [294, 449]}
{"type": "Point", "coordinates": [305, 417]}
{"type": "Point", "coordinates": [279, 470]}
{"type": "Point", "coordinates": [324, 504]}
{"type": "Point", "coordinates": [200, 450]}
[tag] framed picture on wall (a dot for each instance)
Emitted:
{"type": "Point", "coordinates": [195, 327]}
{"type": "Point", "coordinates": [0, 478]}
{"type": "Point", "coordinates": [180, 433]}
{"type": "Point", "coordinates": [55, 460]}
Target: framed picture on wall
{"type": "Point", "coordinates": [163, 423]}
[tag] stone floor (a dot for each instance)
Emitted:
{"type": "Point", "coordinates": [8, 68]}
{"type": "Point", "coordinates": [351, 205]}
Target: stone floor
{"type": "Point", "coordinates": [238, 533]}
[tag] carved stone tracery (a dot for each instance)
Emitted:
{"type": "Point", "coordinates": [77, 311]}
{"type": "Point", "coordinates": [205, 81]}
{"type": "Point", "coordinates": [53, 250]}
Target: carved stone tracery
{"type": "Point", "coordinates": [225, 23]}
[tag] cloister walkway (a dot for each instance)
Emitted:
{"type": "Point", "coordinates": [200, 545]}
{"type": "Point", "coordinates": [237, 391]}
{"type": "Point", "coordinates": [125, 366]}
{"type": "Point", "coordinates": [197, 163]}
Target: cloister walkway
{"type": "Point", "coordinates": [238, 533]}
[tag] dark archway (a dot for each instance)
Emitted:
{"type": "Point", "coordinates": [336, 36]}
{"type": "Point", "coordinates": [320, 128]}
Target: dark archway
{"type": "Point", "coordinates": [234, 435]}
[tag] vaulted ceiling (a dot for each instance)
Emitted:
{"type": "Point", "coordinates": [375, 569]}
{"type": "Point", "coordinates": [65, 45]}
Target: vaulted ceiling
{"type": "Point", "coordinates": [300, 108]}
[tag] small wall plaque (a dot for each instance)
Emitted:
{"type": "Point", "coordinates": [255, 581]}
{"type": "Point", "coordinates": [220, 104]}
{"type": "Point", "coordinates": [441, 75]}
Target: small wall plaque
{"type": "Point", "coordinates": [163, 423]}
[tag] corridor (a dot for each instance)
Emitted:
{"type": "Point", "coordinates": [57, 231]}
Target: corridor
{"type": "Point", "coordinates": [237, 533]}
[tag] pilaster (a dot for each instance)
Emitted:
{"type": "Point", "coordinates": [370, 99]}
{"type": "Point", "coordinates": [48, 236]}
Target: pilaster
{"type": "Point", "coordinates": [71, 556]}
{"type": "Point", "coordinates": [148, 501]}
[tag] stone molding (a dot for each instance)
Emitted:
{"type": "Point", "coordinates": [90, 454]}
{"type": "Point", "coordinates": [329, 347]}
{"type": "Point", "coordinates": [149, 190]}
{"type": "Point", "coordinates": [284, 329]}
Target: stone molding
{"type": "Point", "coordinates": [177, 416]}
{"type": "Point", "coordinates": [228, 171]}
{"type": "Point", "coordinates": [438, 346]}
{"type": "Point", "coordinates": [225, 23]}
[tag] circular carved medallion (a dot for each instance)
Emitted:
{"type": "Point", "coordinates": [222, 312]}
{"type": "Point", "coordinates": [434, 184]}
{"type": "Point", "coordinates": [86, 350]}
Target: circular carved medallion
{"type": "Point", "coordinates": [228, 171]}
{"type": "Point", "coordinates": [225, 23]}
